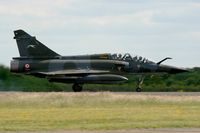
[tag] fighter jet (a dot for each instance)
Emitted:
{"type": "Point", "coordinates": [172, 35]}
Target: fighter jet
{"type": "Point", "coordinates": [38, 60]}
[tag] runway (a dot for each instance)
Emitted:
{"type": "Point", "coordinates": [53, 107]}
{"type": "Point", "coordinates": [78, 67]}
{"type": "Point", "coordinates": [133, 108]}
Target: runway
{"type": "Point", "coordinates": [162, 93]}
{"type": "Point", "coordinates": [125, 93]}
{"type": "Point", "coordinates": [162, 130]}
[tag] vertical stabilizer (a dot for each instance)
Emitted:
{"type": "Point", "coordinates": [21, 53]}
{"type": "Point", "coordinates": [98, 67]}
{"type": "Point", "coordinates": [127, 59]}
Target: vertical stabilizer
{"type": "Point", "coordinates": [29, 46]}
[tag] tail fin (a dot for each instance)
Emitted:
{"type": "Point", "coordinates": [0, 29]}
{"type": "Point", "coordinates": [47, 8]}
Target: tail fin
{"type": "Point", "coordinates": [30, 47]}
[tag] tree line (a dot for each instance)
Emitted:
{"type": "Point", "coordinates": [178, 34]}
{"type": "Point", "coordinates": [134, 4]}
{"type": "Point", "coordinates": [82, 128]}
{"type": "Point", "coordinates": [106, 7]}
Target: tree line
{"type": "Point", "coordinates": [189, 81]}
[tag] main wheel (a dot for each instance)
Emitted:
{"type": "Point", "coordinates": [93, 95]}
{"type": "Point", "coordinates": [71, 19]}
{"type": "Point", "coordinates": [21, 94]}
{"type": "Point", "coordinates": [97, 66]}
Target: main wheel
{"type": "Point", "coordinates": [138, 89]}
{"type": "Point", "coordinates": [77, 88]}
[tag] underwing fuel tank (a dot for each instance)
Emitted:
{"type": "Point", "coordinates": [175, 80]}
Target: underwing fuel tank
{"type": "Point", "coordinates": [92, 79]}
{"type": "Point", "coordinates": [107, 78]}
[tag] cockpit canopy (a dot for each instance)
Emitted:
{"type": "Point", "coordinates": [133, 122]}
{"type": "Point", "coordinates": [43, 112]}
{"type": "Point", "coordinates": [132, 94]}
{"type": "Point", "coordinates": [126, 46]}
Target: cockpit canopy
{"type": "Point", "coordinates": [128, 57]}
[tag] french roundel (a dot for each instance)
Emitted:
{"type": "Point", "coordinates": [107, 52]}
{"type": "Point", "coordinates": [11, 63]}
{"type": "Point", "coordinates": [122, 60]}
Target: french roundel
{"type": "Point", "coordinates": [27, 66]}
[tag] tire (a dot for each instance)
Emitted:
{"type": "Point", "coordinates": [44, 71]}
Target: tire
{"type": "Point", "coordinates": [77, 88]}
{"type": "Point", "coordinates": [138, 89]}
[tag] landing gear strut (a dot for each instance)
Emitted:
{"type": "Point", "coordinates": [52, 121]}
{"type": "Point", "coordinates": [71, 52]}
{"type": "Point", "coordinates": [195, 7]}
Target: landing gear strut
{"type": "Point", "coordinates": [139, 84]}
{"type": "Point", "coordinates": [77, 87]}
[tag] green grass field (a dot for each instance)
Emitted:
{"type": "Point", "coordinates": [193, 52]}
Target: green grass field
{"type": "Point", "coordinates": [96, 111]}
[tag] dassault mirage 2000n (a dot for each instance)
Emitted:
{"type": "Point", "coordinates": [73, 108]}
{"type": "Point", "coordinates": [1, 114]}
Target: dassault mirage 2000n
{"type": "Point", "coordinates": [38, 60]}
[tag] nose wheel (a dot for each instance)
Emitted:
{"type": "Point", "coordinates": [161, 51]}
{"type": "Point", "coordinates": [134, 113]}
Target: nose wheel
{"type": "Point", "coordinates": [138, 89]}
{"type": "Point", "coordinates": [77, 87]}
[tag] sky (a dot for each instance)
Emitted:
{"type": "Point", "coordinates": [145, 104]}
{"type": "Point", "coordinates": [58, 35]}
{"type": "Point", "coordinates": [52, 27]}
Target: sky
{"type": "Point", "coordinates": [154, 29]}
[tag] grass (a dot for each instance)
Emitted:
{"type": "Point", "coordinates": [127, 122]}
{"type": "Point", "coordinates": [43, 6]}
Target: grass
{"type": "Point", "coordinates": [96, 111]}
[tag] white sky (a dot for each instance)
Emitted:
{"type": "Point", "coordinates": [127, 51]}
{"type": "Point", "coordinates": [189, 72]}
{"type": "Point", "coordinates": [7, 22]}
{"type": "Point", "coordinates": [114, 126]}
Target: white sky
{"type": "Point", "coordinates": [154, 29]}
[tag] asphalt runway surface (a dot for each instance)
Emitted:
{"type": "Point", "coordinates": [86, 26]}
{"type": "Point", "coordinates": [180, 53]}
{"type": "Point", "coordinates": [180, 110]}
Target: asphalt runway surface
{"type": "Point", "coordinates": [161, 130]}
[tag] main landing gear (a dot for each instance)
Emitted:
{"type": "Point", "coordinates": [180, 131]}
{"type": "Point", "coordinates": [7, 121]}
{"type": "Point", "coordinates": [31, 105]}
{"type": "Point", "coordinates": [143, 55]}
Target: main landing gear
{"type": "Point", "coordinates": [139, 84]}
{"type": "Point", "coordinates": [77, 87]}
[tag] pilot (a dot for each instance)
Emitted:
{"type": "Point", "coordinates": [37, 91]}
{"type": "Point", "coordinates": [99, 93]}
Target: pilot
{"type": "Point", "coordinates": [119, 56]}
{"type": "Point", "coordinates": [114, 56]}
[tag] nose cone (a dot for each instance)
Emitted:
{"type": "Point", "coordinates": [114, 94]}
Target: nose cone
{"type": "Point", "coordinates": [171, 69]}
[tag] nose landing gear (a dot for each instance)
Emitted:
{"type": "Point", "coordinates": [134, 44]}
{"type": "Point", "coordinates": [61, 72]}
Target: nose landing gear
{"type": "Point", "coordinates": [139, 83]}
{"type": "Point", "coordinates": [138, 89]}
